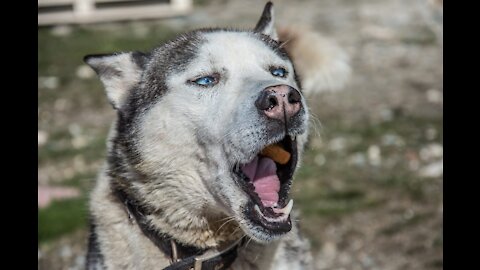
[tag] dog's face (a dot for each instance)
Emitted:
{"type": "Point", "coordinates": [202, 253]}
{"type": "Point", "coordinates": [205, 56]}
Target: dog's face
{"type": "Point", "coordinates": [196, 115]}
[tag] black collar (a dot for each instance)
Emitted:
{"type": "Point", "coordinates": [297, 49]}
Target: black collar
{"type": "Point", "coordinates": [182, 257]}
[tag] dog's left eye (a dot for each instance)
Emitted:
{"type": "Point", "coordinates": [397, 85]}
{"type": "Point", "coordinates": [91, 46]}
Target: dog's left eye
{"type": "Point", "coordinates": [206, 81]}
{"type": "Point", "coordinates": [278, 72]}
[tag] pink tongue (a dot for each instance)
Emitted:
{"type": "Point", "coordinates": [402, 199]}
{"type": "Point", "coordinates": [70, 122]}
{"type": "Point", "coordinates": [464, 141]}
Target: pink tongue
{"type": "Point", "coordinates": [263, 173]}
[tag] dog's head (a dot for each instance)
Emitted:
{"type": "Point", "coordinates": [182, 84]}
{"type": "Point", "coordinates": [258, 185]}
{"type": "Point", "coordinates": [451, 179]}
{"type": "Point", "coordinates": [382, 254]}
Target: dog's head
{"type": "Point", "coordinates": [197, 118]}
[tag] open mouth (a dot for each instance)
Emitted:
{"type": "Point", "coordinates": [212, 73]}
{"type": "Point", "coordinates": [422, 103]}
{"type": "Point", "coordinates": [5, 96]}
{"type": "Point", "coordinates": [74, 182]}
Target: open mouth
{"type": "Point", "coordinates": [267, 180]}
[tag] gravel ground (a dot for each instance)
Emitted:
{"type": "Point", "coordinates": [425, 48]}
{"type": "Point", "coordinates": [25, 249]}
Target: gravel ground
{"type": "Point", "coordinates": [396, 55]}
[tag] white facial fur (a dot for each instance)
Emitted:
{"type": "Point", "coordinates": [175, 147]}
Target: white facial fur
{"type": "Point", "coordinates": [199, 133]}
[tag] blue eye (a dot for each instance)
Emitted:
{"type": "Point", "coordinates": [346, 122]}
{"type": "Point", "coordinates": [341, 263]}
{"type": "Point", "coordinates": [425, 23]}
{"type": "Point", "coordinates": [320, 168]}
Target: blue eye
{"type": "Point", "coordinates": [206, 81]}
{"type": "Point", "coordinates": [278, 72]}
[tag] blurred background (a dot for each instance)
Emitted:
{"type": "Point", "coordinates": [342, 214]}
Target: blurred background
{"type": "Point", "coordinates": [370, 187]}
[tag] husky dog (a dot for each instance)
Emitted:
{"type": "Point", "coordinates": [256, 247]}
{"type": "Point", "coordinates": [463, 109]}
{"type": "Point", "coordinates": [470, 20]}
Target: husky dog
{"type": "Point", "coordinates": [187, 184]}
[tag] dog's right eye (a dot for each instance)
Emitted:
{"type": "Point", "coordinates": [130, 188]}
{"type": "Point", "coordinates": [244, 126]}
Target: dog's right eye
{"type": "Point", "coordinates": [206, 81]}
{"type": "Point", "coordinates": [278, 72]}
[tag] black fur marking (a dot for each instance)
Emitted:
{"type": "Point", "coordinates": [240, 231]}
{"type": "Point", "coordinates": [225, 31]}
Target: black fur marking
{"type": "Point", "coordinates": [94, 254]}
{"type": "Point", "coordinates": [87, 58]}
{"type": "Point", "coordinates": [140, 59]}
{"type": "Point", "coordinates": [102, 70]}
{"type": "Point", "coordinates": [265, 19]}
{"type": "Point", "coordinates": [297, 79]}
{"type": "Point", "coordinates": [274, 45]}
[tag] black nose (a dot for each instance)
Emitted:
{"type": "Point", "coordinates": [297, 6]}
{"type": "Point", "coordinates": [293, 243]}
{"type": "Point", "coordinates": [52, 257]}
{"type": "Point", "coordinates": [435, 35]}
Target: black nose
{"type": "Point", "coordinates": [266, 100]}
{"type": "Point", "coordinates": [279, 101]}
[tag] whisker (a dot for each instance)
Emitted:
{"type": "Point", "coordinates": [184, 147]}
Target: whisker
{"type": "Point", "coordinates": [317, 125]}
{"type": "Point", "coordinates": [229, 220]}
{"type": "Point", "coordinates": [235, 231]}
{"type": "Point", "coordinates": [284, 43]}
{"type": "Point", "coordinates": [248, 242]}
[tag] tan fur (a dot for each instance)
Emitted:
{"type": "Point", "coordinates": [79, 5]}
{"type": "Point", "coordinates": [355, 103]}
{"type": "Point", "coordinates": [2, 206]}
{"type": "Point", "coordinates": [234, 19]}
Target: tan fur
{"type": "Point", "coordinates": [321, 63]}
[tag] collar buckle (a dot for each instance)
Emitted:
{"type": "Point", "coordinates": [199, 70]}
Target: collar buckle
{"type": "Point", "coordinates": [214, 253]}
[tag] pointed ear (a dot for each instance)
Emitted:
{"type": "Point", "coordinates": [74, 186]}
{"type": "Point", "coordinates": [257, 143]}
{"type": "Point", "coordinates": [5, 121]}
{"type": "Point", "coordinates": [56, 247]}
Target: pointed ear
{"type": "Point", "coordinates": [119, 72]}
{"type": "Point", "coordinates": [266, 23]}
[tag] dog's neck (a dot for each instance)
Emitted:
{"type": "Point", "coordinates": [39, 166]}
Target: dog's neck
{"type": "Point", "coordinates": [159, 197]}
{"type": "Point", "coordinates": [181, 256]}
{"type": "Point", "coordinates": [192, 229]}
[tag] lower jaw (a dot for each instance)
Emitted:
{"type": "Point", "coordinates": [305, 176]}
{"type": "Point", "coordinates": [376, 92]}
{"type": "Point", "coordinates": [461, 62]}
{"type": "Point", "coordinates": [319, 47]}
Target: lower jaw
{"type": "Point", "coordinates": [267, 224]}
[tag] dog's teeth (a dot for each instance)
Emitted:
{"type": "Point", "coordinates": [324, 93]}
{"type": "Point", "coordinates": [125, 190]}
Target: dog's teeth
{"type": "Point", "coordinates": [286, 210]}
{"type": "Point", "coordinates": [257, 208]}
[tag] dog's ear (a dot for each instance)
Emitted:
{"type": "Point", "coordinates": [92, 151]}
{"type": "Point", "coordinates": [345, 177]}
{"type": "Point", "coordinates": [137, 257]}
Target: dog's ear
{"type": "Point", "coordinates": [266, 24]}
{"type": "Point", "coordinates": [119, 72]}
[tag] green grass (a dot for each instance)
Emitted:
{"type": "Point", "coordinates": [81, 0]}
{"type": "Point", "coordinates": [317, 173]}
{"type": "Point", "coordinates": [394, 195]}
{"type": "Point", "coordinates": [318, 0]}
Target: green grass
{"type": "Point", "coordinates": [83, 181]}
{"type": "Point", "coordinates": [405, 224]}
{"type": "Point", "coordinates": [60, 149]}
{"type": "Point", "coordinates": [60, 55]}
{"type": "Point", "coordinates": [62, 217]}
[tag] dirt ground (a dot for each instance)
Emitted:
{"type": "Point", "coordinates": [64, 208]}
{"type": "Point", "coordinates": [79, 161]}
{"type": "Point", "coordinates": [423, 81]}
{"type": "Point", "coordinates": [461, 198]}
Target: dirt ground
{"type": "Point", "coordinates": [370, 189]}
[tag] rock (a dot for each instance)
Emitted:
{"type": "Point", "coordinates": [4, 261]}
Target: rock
{"type": "Point", "coordinates": [79, 141]}
{"type": "Point", "coordinates": [85, 72]}
{"type": "Point", "coordinates": [337, 144]}
{"type": "Point", "coordinates": [409, 214]}
{"type": "Point", "coordinates": [431, 134]}
{"type": "Point", "coordinates": [434, 96]}
{"type": "Point", "coordinates": [374, 155]}
{"type": "Point", "coordinates": [317, 143]}
{"type": "Point", "coordinates": [386, 114]}
{"type": "Point", "coordinates": [431, 151]}
{"type": "Point", "coordinates": [140, 30]}
{"type": "Point", "coordinates": [320, 160]}
{"type": "Point", "coordinates": [432, 170]}
{"type": "Point", "coordinates": [61, 104]}
{"type": "Point", "coordinates": [61, 30]}
{"type": "Point", "coordinates": [378, 32]}
{"type": "Point", "coordinates": [392, 140]}
{"type": "Point", "coordinates": [49, 82]}
{"type": "Point", "coordinates": [358, 159]}
{"type": "Point", "coordinates": [42, 137]}
{"type": "Point", "coordinates": [65, 251]}
{"type": "Point", "coordinates": [74, 130]}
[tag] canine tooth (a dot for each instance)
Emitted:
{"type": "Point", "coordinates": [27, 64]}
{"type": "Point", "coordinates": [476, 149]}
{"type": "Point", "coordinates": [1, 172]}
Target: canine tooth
{"type": "Point", "coordinates": [257, 208]}
{"type": "Point", "coordinates": [286, 210]}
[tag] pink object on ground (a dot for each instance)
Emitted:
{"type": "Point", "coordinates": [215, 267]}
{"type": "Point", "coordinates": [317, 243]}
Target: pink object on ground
{"type": "Point", "coordinates": [47, 194]}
